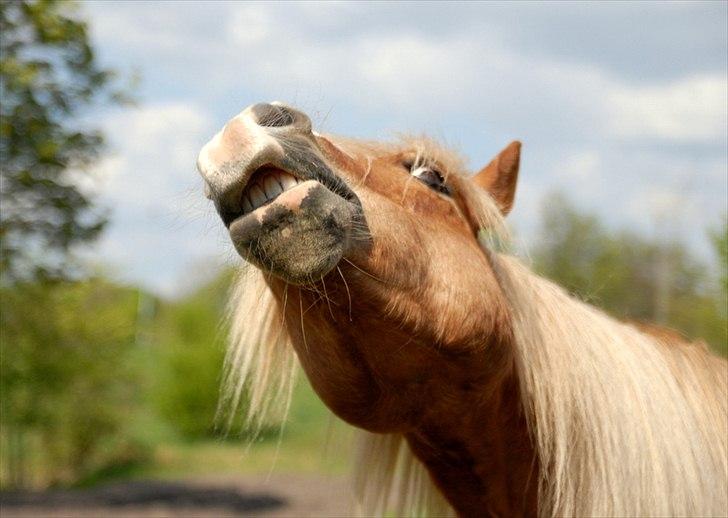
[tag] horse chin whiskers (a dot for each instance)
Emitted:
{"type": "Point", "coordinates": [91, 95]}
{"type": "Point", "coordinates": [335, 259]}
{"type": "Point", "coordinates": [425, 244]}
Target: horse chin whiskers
{"type": "Point", "coordinates": [348, 293]}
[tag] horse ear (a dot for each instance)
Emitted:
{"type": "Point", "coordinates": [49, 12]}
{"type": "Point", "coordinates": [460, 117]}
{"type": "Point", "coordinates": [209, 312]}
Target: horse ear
{"type": "Point", "coordinates": [500, 175]}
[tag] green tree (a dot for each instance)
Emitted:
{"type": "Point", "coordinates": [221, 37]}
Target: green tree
{"type": "Point", "coordinates": [68, 380]}
{"type": "Point", "coordinates": [65, 346]}
{"type": "Point", "coordinates": [191, 351]}
{"type": "Point", "coordinates": [49, 77]}
{"type": "Point", "coordinates": [629, 275]}
{"type": "Point", "coordinates": [719, 237]}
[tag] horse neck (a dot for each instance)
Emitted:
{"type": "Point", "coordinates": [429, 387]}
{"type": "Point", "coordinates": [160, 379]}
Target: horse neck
{"type": "Point", "coordinates": [479, 453]}
{"type": "Point", "coordinates": [460, 413]}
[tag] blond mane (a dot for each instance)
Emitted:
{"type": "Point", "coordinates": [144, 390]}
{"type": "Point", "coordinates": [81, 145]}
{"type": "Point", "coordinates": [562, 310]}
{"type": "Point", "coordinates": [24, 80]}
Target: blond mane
{"type": "Point", "coordinates": [623, 425]}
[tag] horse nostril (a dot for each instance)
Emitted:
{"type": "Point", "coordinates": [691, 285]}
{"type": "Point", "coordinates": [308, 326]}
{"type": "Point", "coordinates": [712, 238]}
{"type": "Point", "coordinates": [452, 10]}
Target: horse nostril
{"type": "Point", "coordinates": [269, 115]}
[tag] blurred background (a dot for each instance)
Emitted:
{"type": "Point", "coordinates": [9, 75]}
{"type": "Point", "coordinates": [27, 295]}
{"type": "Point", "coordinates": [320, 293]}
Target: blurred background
{"type": "Point", "coordinates": [115, 268]}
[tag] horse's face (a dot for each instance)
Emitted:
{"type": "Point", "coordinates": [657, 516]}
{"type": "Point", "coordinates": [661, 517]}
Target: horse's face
{"type": "Point", "coordinates": [391, 228]}
{"type": "Point", "coordinates": [296, 202]}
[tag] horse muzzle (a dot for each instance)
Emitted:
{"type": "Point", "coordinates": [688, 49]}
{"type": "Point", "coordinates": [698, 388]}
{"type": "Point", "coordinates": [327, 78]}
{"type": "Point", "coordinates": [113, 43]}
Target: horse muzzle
{"type": "Point", "coordinates": [286, 210]}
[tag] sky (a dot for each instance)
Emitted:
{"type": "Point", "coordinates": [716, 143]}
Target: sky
{"type": "Point", "coordinates": [623, 107]}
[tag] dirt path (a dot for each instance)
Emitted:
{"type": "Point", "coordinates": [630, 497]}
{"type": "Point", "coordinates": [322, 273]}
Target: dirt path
{"type": "Point", "coordinates": [281, 495]}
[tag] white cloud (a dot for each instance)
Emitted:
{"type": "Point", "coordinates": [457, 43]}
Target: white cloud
{"type": "Point", "coordinates": [139, 26]}
{"type": "Point", "coordinates": [694, 108]}
{"type": "Point", "coordinates": [153, 152]}
{"type": "Point", "coordinates": [160, 220]}
{"type": "Point", "coordinates": [250, 24]}
{"type": "Point", "coordinates": [289, 51]}
{"type": "Point", "coordinates": [415, 74]}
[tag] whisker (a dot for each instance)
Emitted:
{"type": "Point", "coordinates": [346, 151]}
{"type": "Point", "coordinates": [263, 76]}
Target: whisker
{"type": "Point", "coordinates": [303, 330]}
{"type": "Point", "coordinates": [285, 302]}
{"type": "Point", "coordinates": [348, 293]}
{"type": "Point", "coordinates": [365, 272]}
{"type": "Point", "coordinates": [313, 304]}
{"type": "Point", "coordinates": [328, 300]}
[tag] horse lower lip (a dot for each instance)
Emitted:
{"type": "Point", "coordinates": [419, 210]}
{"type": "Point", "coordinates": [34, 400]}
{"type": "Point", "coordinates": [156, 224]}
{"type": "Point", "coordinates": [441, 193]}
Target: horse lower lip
{"type": "Point", "coordinates": [303, 233]}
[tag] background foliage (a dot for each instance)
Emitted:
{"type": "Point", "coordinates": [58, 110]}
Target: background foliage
{"type": "Point", "coordinates": [49, 78]}
{"type": "Point", "coordinates": [68, 378]}
{"type": "Point", "coordinates": [186, 386]}
{"type": "Point", "coordinates": [634, 277]}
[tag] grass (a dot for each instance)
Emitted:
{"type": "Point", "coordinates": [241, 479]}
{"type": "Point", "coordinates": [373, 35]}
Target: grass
{"type": "Point", "coordinates": [309, 443]}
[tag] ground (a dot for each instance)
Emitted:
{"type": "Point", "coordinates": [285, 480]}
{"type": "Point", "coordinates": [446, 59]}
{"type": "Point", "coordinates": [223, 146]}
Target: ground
{"type": "Point", "coordinates": [280, 495]}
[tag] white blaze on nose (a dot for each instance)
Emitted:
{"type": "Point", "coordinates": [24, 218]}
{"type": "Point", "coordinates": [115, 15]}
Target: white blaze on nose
{"type": "Point", "coordinates": [226, 158]}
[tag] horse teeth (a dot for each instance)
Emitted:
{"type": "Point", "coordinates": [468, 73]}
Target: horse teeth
{"type": "Point", "coordinates": [287, 181]}
{"type": "Point", "coordinates": [266, 189]}
{"type": "Point", "coordinates": [271, 186]}
{"type": "Point", "coordinates": [257, 196]}
{"type": "Point", "coordinates": [247, 206]}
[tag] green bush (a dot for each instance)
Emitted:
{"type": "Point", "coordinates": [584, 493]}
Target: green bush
{"type": "Point", "coordinates": [633, 276]}
{"type": "Point", "coordinates": [67, 381]}
{"type": "Point", "coordinates": [190, 354]}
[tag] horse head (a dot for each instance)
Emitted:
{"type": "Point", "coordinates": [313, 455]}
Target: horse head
{"type": "Point", "coordinates": [379, 244]}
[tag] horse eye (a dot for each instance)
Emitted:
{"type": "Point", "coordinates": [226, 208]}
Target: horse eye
{"type": "Point", "coordinates": [431, 178]}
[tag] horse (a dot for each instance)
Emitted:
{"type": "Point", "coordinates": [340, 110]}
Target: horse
{"type": "Point", "coordinates": [480, 388]}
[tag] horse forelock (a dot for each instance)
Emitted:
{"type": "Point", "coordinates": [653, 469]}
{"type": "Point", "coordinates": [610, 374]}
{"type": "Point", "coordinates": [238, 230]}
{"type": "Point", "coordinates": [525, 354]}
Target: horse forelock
{"type": "Point", "coordinates": [422, 147]}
